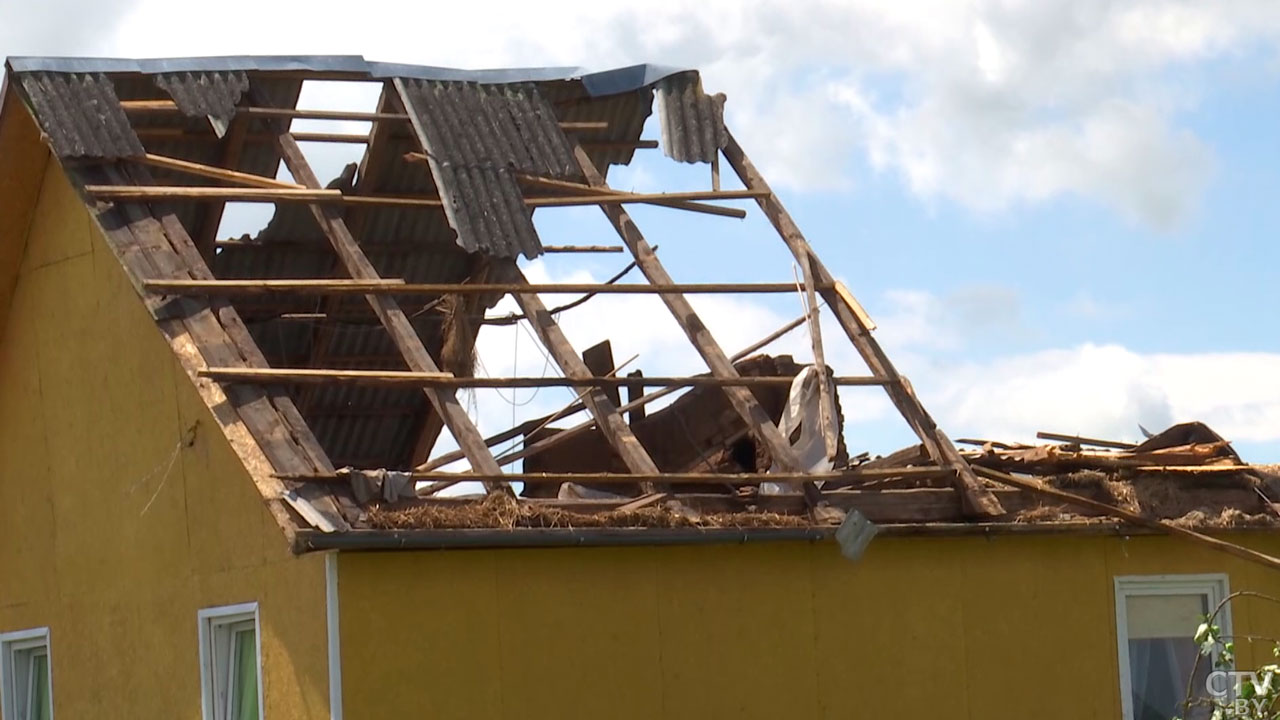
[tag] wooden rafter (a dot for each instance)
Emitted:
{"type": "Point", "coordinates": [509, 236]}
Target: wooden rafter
{"type": "Point", "coordinates": [611, 423]}
{"type": "Point", "coordinates": [979, 500]}
{"type": "Point", "coordinates": [759, 424]}
{"type": "Point", "coordinates": [393, 319]}
{"type": "Point", "coordinates": [323, 335]}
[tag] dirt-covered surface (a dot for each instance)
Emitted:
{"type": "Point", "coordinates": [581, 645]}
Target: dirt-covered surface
{"type": "Point", "coordinates": [504, 512]}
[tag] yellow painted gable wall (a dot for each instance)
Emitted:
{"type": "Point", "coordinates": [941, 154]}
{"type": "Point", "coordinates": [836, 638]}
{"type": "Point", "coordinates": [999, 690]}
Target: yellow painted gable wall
{"type": "Point", "coordinates": [1011, 627]}
{"type": "Point", "coordinates": [111, 534]}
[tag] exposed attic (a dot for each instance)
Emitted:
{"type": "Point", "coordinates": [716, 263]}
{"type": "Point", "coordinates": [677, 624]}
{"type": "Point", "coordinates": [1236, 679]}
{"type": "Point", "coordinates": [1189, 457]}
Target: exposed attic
{"type": "Point", "coordinates": [333, 344]}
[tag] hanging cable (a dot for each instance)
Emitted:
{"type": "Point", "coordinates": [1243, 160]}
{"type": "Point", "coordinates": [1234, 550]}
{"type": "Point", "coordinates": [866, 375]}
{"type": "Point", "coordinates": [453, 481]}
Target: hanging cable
{"type": "Point", "coordinates": [513, 318]}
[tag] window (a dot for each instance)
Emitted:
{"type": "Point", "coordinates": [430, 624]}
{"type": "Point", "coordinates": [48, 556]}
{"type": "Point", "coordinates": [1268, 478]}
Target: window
{"type": "Point", "coordinates": [230, 663]}
{"type": "Point", "coordinates": [1156, 617]}
{"type": "Point", "coordinates": [27, 691]}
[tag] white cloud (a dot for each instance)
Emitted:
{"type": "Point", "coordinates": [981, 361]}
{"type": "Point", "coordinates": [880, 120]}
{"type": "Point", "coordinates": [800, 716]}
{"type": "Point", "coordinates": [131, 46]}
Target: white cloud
{"type": "Point", "coordinates": [1100, 390]}
{"type": "Point", "coordinates": [987, 103]}
{"type": "Point", "coordinates": [1107, 390]}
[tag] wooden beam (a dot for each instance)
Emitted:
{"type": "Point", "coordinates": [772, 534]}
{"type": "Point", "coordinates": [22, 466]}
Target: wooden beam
{"type": "Point", "coordinates": [979, 501]}
{"type": "Point", "coordinates": [854, 306]}
{"type": "Point", "coordinates": [1036, 488]}
{"type": "Point", "coordinates": [619, 144]}
{"type": "Point", "coordinates": [1078, 440]}
{"type": "Point", "coordinates": [753, 414]}
{"type": "Point", "coordinates": [350, 138]}
{"type": "Point", "coordinates": [404, 378]}
{"type": "Point", "coordinates": [184, 135]}
{"type": "Point", "coordinates": [218, 194]}
{"type": "Point", "coordinates": [393, 318]}
{"type": "Point", "coordinates": [320, 195]}
{"type": "Point", "coordinates": [578, 126]}
{"type": "Point", "coordinates": [552, 184]}
{"type": "Point", "coordinates": [583, 249]}
{"type": "Point", "coordinates": [169, 106]}
{"type": "Point", "coordinates": [395, 286]}
{"type": "Point", "coordinates": [216, 173]}
{"type": "Point", "coordinates": [668, 477]}
{"type": "Point", "coordinates": [611, 423]}
{"type": "Point", "coordinates": [826, 403]}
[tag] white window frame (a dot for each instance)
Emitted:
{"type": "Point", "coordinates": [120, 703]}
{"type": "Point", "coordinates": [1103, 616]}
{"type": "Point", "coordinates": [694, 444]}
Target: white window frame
{"type": "Point", "coordinates": [12, 643]}
{"type": "Point", "coordinates": [1215, 585]}
{"type": "Point", "coordinates": [211, 621]}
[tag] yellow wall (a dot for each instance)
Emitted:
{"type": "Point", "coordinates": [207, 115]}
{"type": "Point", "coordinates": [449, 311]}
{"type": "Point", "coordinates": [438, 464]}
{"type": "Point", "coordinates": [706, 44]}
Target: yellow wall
{"type": "Point", "coordinates": [948, 627]}
{"type": "Point", "coordinates": [111, 536]}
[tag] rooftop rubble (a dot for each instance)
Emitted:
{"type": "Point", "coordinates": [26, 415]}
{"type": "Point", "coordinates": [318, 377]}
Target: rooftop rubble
{"type": "Point", "coordinates": [1187, 474]}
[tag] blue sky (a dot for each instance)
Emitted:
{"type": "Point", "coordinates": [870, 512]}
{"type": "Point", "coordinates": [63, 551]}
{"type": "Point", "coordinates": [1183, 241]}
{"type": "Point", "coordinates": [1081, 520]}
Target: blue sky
{"type": "Point", "coordinates": [1060, 213]}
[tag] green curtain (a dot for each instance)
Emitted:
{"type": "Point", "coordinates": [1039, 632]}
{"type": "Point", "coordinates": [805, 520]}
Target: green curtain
{"type": "Point", "coordinates": [245, 702]}
{"type": "Point", "coordinates": [42, 703]}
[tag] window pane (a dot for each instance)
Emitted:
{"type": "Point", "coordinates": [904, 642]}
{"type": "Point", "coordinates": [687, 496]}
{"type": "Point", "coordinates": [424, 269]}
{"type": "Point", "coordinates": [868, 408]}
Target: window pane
{"type": "Point", "coordinates": [41, 701]}
{"type": "Point", "coordinates": [1162, 653]}
{"type": "Point", "coordinates": [245, 684]}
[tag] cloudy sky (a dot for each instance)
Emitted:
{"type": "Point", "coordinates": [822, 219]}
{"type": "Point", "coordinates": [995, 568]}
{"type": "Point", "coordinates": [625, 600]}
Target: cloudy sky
{"type": "Point", "coordinates": [1059, 212]}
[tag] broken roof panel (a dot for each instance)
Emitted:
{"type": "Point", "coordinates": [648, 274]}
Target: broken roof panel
{"type": "Point", "coordinates": [210, 94]}
{"type": "Point", "coordinates": [81, 115]}
{"type": "Point", "coordinates": [490, 125]}
{"type": "Point", "coordinates": [692, 121]}
{"type": "Point", "coordinates": [477, 137]}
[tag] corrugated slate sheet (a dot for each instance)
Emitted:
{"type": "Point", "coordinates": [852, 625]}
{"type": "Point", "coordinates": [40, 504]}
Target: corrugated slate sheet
{"type": "Point", "coordinates": [503, 125]}
{"type": "Point", "coordinates": [692, 121]}
{"type": "Point", "coordinates": [477, 137]}
{"type": "Point", "coordinates": [81, 115]}
{"type": "Point", "coordinates": [211, 94]}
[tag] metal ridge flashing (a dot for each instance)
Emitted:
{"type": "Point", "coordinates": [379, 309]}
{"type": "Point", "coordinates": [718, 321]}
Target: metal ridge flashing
{"type": "Point", "coordinates": [597, 82]}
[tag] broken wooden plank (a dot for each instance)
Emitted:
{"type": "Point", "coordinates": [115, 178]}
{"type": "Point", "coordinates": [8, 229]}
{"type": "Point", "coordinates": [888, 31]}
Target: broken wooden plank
{"type": "Point", "coordinates": [1079, 440]}
{"type": "Point", "coordinates": [216, 173]}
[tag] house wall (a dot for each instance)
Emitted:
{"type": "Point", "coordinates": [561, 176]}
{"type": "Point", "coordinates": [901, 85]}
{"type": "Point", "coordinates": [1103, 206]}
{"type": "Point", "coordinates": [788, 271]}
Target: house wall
{"type": "Point", "coordinates": [1007, 627]}
{"type": "Point", "coordinates": [112, 532]}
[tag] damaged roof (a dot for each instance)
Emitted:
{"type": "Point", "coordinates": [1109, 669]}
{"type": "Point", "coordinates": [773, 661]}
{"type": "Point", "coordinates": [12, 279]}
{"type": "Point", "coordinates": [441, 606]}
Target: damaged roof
{"type": "Point", "coordinates": [341, 334]}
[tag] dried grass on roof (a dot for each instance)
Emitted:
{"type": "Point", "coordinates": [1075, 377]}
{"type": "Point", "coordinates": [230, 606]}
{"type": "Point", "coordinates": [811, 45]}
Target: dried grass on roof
{"type": "Point", "coordinates": [498, 511]}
